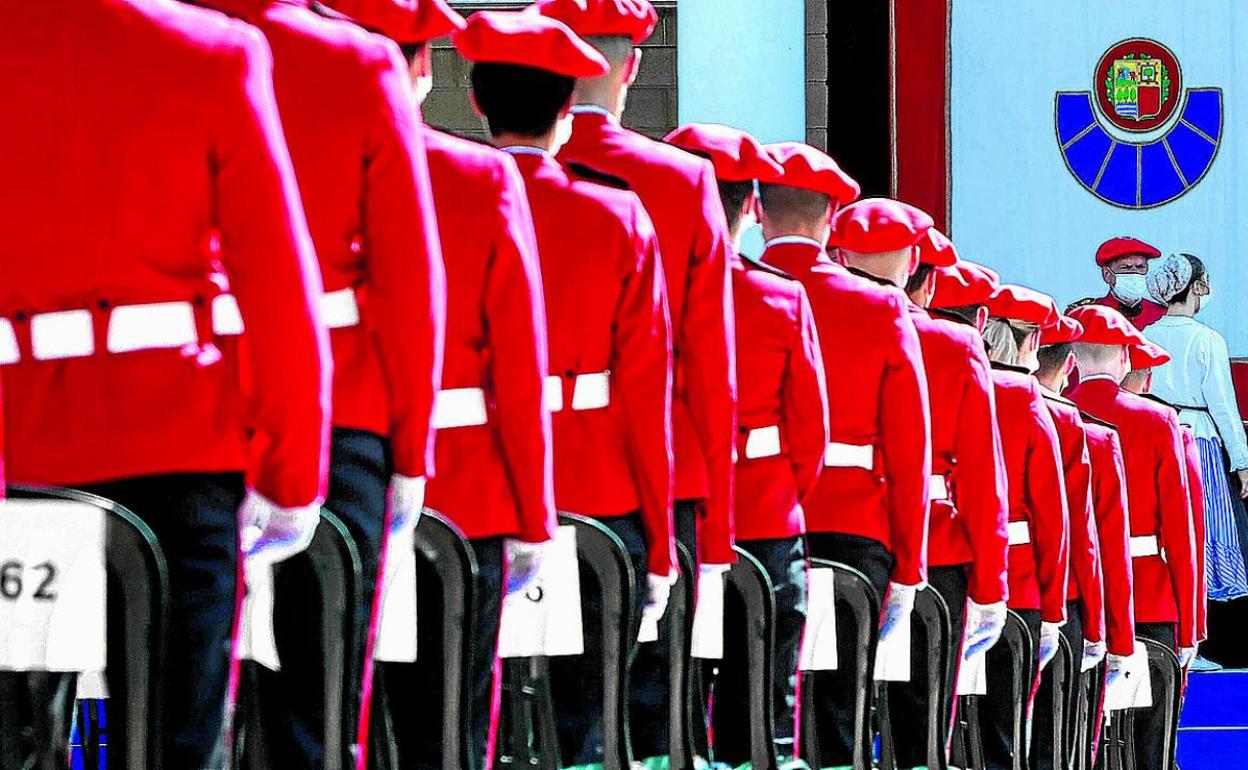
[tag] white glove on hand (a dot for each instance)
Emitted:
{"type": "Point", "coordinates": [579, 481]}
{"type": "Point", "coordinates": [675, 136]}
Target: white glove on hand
{"type": "Point", "coordinates": [710, 570]}
{"type": "Point", "coordinates": [1187, 655]}
{"type": "Point", "coordinates": [898, 606]}
{"type": "Point", "coordinates": [405, 501]}
{"type": "Point", "coordinates": [984, 626]}
{"type": "Point", "coordinates": [1115, 667]}
{"type": "Point", "coordinates": [1093, 654]}
{"type": "Point", "coordinates": [1049, 633]}
{"type": "Point", "coordinates": [272, 533]}
{"type": "Point", "coordinates": [658, 590]}
{"type": "Point", "coordinates": [523, 562]}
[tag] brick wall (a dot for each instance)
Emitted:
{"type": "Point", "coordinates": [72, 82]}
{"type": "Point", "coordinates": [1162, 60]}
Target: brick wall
{"type": "Point", "coordinates": [817, 73]}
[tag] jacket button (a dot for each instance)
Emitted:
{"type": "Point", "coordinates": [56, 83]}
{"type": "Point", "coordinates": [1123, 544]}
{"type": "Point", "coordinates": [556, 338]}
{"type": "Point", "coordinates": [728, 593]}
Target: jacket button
{"type": "Point", "coordinates": [20, 316]}
{"type": "Point", "coordinates": [102, 304]}
{"type": "Point", "coordinates": [198, 301]}
{"type": "Point", "coordinates": [570, 374]}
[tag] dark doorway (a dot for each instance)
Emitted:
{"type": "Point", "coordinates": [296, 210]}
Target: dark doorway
{"type": "Point", "coordinates": [859, 112]}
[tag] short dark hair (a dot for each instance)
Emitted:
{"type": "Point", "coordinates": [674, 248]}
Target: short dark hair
{"type": "Point", "coordinates": [1199, 273]}
{"type": "Point", "coordinates": [520, 100]}
{"type": "Point", "coordinates": [733, 195]}
{"type": "Point", "coordinates": [920, 275]}
{"type": "Point", "coordinates": [968, 313]}
{"type": "Point", "coordinates": [788, 205]}
{"type": "Point", "coordinates": [1053, 357]}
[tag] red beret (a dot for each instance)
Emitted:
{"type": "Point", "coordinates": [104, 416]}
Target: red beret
{"type": "Point", "coordinates": [965, 283]}
{"type": "Point", "coordinates": [1147, 355]}
{"type": "Point", "coordinates": [1066, 329]}
{"type": "Point", "coordinates": [404, 21]}
{"type": "Point", "coordinates": [634, 19]}
{"type": "Point", "coordinates": [1115, 248]}
{"type": "Point", "coordinates": [937, 250]}
{"type": "Point", "coordinates": [1105, 326]}
{"type": "Point", "coordinates": [1018, 303]}
{"type": "Point", "coordinates": [873, 225]}
{"type": "Point", "coordinates": [737, 156]}
{"type": "Point", "coordinates": [528, 40]}
{"type": "Point", "coordinates": [811, 169]}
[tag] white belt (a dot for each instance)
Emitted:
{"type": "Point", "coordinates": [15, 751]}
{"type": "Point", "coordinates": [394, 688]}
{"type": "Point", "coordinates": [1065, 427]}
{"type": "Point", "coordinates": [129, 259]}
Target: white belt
{"type": "Point", "coordinates": [1019, 532]}
{"type": "Point", "coordinates": [155, 326]}
{"type": "Point", "coordinates": [838, 455]}
{"type": "Point", "coordinates": [339, 309]}
{"type": "Point", "coordinates": [937, 488]}
{"type": "Point", "coordinates": [762, 442]}
{"type": "Point", "coordinates": [459, 408]}
{"type": "Point", "coordinates": [465, 407]}
{"type": "Point", "coordinates": [1145, 545]}
{"type": "Point", "coordinates": [589, 391]}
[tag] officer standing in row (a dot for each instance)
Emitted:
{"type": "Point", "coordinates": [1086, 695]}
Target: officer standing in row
{"type": "Point", "coordinates": [608, 327]}
{"type": "Point", "coordinates": [1160, 506]}
{"type": "Point", "coordinates": [1124, 265]}
{"type": "Point", "coordinates": [355, 138]}
{"type": "Point", "coordinates": [117, 373]}
{"type": "Point", "coordinates": [869, 508]}
{"type": "Point", "coordinates": [783, 431]}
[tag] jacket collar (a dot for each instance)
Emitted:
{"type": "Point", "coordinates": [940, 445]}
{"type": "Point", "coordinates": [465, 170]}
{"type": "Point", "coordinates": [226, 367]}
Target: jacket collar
{"type": "Point", "coordinates": [793, 255]}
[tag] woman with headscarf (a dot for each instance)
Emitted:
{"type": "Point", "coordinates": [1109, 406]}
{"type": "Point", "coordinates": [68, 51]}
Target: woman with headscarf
{"type": "Point", "coordinates": [1197, 380]}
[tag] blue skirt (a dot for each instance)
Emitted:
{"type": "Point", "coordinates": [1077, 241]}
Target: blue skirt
{"type": "Point", "coordinates": [1225, 575]}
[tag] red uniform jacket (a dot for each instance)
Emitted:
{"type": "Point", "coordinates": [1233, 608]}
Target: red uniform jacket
{"type": "Point", "coordinates": [1085, 581]}
{"type": "Point", "coordinates": [1196, 491]}
{"type": "Point", "coordinates": [1109, 501]}
{"type": "Point", "coordinates": [493, 479]}
{"type": "Point", "coordinates": [679, 192]}
{"type": "Point", "coordinates": [1165, 587]}
{"type": "Point", "coordinates": [152, 169]}
{"type": "Point", "coordinates": [780, 385]}
{"type": "Point", "coordinates": [1141, 315]}
{"type": "Point", "coordinates": [606, 310]}
{"type": "Point", "coordinates": [968, 526]}
{"type": "Point", "coordinates": [1033, 465]}
{"type": "Point", "coordinates": [355, 138]}
{"type": "Point", "coordinates": [877, 397]}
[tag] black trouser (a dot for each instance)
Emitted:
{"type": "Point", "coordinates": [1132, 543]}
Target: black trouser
{"type": "Point", "coordinates": [37, 707]}
{"type": "Point", "coordinates": [908, 701]}
{"type": "Point", "coordinates": [576, 681]}
{"type": "Point", "coordinates": [996, 712]}
{"type": "Point", "coordinates": [415, 691]}
{"type": "Point", "coordinates": [649, 713]}
{"type": "Point", "coordinates": [1150, 723]}
{"type": "Point", "coordinates": [784, 560]}
{"type": "Point", "coordinates": [292, 701]}
{"type": "Point", "coordinates": [1041, 753]}
{"type": "Point", "coordinates": [195, 519]}
{"type": "Point", "coordinates": [834, 709]}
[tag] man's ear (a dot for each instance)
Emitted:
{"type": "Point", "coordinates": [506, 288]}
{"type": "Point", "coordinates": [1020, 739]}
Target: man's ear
{"type": "Point", "coordinates": [1108, 275]}
{"type": "Point", "coordinates": [632, 67]}
{"type": "Point", "coordinates": [981, 318]}
{"type": "Point", "coordinates": [913, 264]}
{"type": "Point", "coordinates": [1070, 365]}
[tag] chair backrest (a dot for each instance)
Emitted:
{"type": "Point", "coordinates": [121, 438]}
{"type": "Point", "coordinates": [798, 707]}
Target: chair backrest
{"type": "Point", "coordinates": [1022, 647]}
{"type": "Point", "coordinates": [1091, 701]}
{"type": "Point", "coordinates": [1163, 666]}
{"type": "Point", "coordinates": [599, 550]}
{"type": "Point", "coordinates": [138, 611]}
{"type": "Point", "coordinates": [748, 579]}
{"type": "Point", "coordinates": [682, 707]}
{"type": "Point", "coordinates": [930, 610]}
{"type": "Point", "coordinates": [442, 550]}
{"type": "Point", "coordinates": [1062, 675]}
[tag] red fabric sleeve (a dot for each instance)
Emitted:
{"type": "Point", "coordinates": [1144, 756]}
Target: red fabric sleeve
{"type": "Point", "coordinates": [515, 316]}
{"type": "Point", "coordinates": [804, 401]}
{"type": "Point", "coordinates": [981, 486]}
{"type": "Point", "coordinates": [1113, 528]}
{"type": "Point", "coordinates": [1196, 490]}
{"type": "Point", "coordinates": [406, 290]}
{"type": "Point", "coordinates": [268, 255]}
{"type": "Point", "coordinates": [707, 345]}
{"type": "Point", "coordinates": [906, 446]}
{"type": "Point", "coordinates": [641, 367]}
{"type": "Point", "coordinates": [1085, 550]}
{"type": "Point", "coordinates": [1177, 533]}
{"type": "Point", "coordinates": [1046, 496]}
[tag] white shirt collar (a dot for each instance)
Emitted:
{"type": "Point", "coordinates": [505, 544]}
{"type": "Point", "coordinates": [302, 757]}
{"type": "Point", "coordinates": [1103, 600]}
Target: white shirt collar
{"type": "Point", "coordinates": [1090, 377]}
{"type": "Point", "coordinates": [797, 239]}
{"type": "Point", "coordinates": [592, 109]}
{"type": "Point", "coordinates": [524, 149]}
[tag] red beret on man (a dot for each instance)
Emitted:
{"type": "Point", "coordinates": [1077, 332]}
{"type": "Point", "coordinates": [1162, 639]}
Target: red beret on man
{"type": "Point", "coordinates": [964, 284]}
{"type": "Point", "coordinates": [1065, 330]}
{"type": "Point", "coordinates": [1147, 355]}
{"type": "Point", "coordinates": [875, 225]}
{"type": "Point", "coordinates": [634, 19]}
{"type": "Point", "coordinates": [937, 250]}
{"type": "Point", "coordinates": [1018, 303]}
{"type": "Point", "coordinates": [810, 169]}
{"type": "Point", "coordinates": [736, 156]}
{"type": "Point", "coordinates": [528, 40]}
{"type": "Point", "coordinates": [1116, 248]}
{"type": "Point", "coordinates": [1105, 326]}
{"type": "Point", "coordinates": [404, 21]}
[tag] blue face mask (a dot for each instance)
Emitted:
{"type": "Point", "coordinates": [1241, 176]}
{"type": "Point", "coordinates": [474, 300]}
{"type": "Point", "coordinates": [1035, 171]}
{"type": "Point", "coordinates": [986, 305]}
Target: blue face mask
{"type": "Point", "coordinates": [1130, 287]}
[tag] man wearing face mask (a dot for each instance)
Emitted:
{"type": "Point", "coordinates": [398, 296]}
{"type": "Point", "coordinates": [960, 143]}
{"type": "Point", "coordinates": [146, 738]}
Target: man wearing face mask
{"type": "Point", "coordinates": [1124, 266]}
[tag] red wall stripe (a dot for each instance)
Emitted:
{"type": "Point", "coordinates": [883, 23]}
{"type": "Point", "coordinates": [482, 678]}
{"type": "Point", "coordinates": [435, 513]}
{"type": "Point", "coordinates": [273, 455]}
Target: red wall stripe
{"type": "Point", "coordinates": [920, 105]}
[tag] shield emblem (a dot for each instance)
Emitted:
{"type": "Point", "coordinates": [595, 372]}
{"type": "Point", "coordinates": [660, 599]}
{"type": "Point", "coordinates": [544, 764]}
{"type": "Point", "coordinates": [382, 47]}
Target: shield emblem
{"type": "Point", "coordinates": [1137, 88]}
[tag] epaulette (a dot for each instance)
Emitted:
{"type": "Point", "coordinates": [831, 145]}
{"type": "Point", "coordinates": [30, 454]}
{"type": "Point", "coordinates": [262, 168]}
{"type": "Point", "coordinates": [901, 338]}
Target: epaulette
{"type": "Point", "coordinates": [586, 174]}
{"type": "Point", "coordinates": [1010, 368]}
{"type": "Point", "coordinates": [872, 278]}
{"type": "Point", "coordinates": [1080, 303]}
{"type": "Point", "coordinates": [754, 264]}
{"type": "Point", "coordinates": [949, 315]}
{"type": "Point", "coordinates": [1097, 421]}
{"type": "Point", "coordinates": [1161, 401]}
{"type": "Point", "coordinates": [320, 9]}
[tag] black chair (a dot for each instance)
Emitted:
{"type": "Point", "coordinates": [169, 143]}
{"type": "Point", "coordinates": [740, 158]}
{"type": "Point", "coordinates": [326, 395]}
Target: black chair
{"type": "Point", "coordinates": [856, 596]}
{"type": "Point", "coordinates": [1092, 693]}
{"type": "Point", "coordinates": [1062, 675]}
{"type": "Point", "coordinates": [1023, 664]}
{"type": "Point", "coordinates": [1164, 669]}
{"type": "Point", "coordinates": [931, 611]}
{"type": "Point", "coordinates": [748, 579]}
{"type": "Point", "coordinates": [138, 607]}
{"type": "Point", "coordinates": [686, 711]}
{"type": "Point", "coordinates": [335, 563]}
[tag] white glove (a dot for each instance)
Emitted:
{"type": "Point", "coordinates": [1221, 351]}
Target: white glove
{"type": "Point", "coordinates": [658, 590]}
{"type": "Point", "coordinates": [523, 562]}
{"type": "Point", "coordinates": [984, 626]}
{"type": "Point", "coordinates": [710, 570]}
{"type": "Point", "coordinates": [1115, 667]}
{"type": "Point", "coordinates": [1093, 654]}
{"type": "Point", "coordinates": [272, 533]}
{"type": "Point", "coordinates": [405, 500]}
{"type": "Point", "coordinates": [1187, 655]}
{"type": "Point", "coordinates": [1049, 634]}
{"type": "Point", "coordinates": [898, 606]}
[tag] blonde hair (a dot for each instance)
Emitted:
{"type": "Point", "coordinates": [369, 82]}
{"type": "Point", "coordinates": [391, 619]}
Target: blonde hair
{"type": "Point", "coordinates": [1005, 338]}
